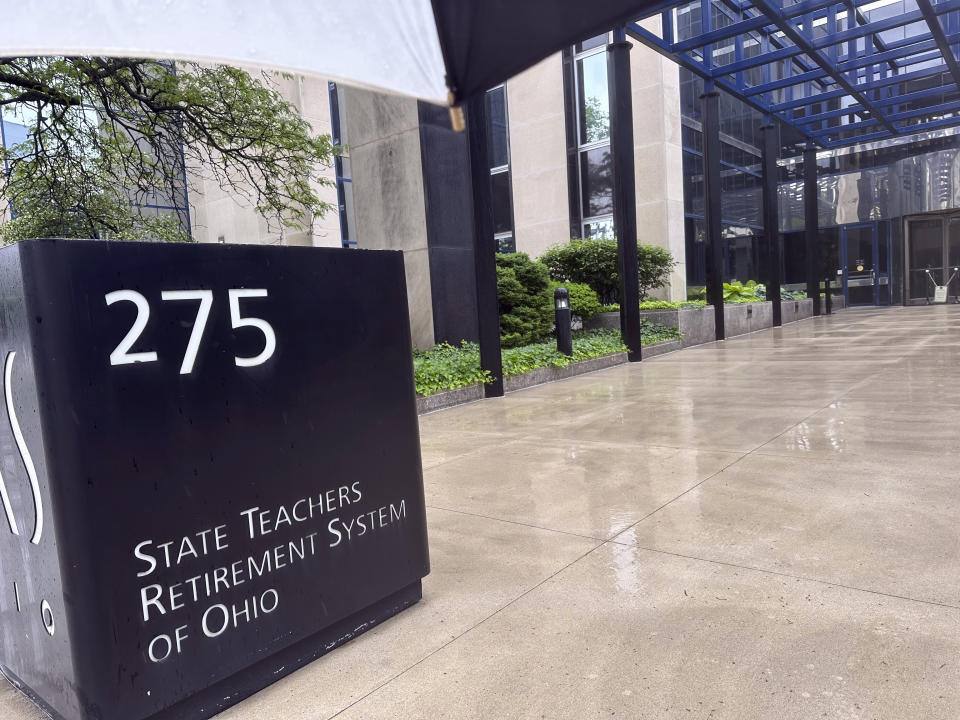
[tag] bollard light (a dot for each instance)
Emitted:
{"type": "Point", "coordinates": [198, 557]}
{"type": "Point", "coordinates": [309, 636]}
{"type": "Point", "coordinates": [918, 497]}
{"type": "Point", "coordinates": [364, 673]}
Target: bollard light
{"type": "Point", "coordinates": [561, 307]}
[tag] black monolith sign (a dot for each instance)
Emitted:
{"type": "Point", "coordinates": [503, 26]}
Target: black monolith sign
{"type": "Point", "coordinates": [210, 468]}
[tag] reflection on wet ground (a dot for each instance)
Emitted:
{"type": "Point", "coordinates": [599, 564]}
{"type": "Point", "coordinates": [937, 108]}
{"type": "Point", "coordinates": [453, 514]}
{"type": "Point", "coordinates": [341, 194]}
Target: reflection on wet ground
{"type": "Point", "coordinates": [766, 527]}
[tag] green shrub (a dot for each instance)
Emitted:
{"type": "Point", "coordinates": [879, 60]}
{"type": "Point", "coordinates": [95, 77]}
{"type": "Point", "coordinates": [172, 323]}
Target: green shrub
{"type": "Point", "coordinates": [526, 305]}
{"type": "Point", "coordinates": [583, 300]}
{"type": "Point", "coordinates": [594, 262]}
{"type": "Point", "coordinates": [446, 367]}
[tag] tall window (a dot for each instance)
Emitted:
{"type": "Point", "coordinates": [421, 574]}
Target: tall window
{"type": "Point", "coordinates": [341, 166]}
{"type": "Point", "coordinates": [592, 120]}
{"type": "Point", "coordinates": [498, 148]}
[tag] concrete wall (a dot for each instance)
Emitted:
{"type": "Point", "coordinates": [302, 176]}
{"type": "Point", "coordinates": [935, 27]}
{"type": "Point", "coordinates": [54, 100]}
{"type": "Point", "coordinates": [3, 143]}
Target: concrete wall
{"type": "Point", "coordinates": [538, 156]}
{"type": "Point", "coordinates": [659, 159]}
{"type": "Point", "coordinates": [216, 213]}
{"type": "Point", "coordinates": [388, 194]}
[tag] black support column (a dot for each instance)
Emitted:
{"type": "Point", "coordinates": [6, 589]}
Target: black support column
{"type": "Point", "coordinates": [624, 188]}
{"type": "Point", "coordinates": [770, 140]}
{"type": "Point", "coordinates": [710, 117]}
{"type": "Point", "coordinates": [485, 246]}
{"type": "Point", "coordinates": [811, 223]}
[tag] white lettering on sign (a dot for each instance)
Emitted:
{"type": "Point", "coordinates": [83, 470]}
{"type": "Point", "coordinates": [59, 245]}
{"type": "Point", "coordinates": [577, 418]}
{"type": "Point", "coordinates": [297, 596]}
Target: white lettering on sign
{"type": "Point", "coordinates": [202, 543]}
{"type": "Point", "coordinates": [122, 354]}
{"type": "Point", "coordinates": [203, 313]}
{"type": "Point", "coordinates": [269, 338]}
{"type": "Point", "coordinates": [213, 589]}
{"type": "Point", "coordinates": [367, 522]}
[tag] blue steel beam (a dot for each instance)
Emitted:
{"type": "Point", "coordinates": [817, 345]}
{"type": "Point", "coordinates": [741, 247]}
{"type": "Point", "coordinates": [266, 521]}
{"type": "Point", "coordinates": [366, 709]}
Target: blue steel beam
{"type": "Point", "coordinates": [918, 46]}
{"type": "Point", "coordinates": [936, 29]}
{"type": "Point", "coordinates": [805, 101]}
{"type": "Point", "coordinates": [794, 10]}
{"type": "Point", "coordinates": [653, 42]}
{"type": "Point", "coordinates": [853, 72]}
{"type": "Point", "coordinates": [953, 107]}
{"type": "Point", "coordinates": [895, 100]}
{"type": "Point", "coordinates": [786, 82]}
{"type": "Point", "coordinates": [798, 38]}
{"type": "Point", "coordinates": [879, 26]}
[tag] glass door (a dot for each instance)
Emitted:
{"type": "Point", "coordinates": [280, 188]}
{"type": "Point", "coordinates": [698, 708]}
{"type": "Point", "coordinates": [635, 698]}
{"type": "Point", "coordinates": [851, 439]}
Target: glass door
{"type": "Point", "coordinates": [953, 256]}
{"type": "Point", "coordinates": [933, 251]}
{"type": "Point", "coordinates": [861, 265]}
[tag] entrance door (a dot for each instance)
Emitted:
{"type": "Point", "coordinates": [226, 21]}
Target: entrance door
{"type": "Point", "coordinates": [865, 268]}
{"type": "Point", "coordinates": [933, 244]}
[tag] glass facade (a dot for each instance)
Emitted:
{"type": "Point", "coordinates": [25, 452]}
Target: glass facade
{"type": "Point", "coordinates": [741, 183]}
{"type": "Point", "coordinates": [498, 151]}
{"type": "Point", "coordinates": [591, 162]}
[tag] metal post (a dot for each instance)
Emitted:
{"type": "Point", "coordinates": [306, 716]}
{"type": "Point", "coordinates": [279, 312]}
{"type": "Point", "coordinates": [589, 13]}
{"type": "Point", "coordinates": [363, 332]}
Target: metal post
{"type": "Point", "coordinates": [624, 188]}
{"type": "Point", "coordinates": [710, 117]}
{"type": "Point", "coordinates": [771, 218]}
{"type": "Point", "coordinates": [811, 224]}
{"type": "Point", "coordinates": [484, 247]}
{"type": "Point", "coordinates": [828, 296]}
{"type": "Point", "coordinates": [561, 310]}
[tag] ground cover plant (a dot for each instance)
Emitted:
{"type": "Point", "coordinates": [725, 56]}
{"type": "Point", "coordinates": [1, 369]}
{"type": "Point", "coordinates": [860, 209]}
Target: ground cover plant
{"type": "Point", "coordinates": [660, 305]}
{"type": "Point", "coordinates": [448, 367]}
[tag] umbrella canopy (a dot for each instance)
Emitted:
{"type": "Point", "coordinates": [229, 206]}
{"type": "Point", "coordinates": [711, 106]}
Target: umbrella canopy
{"type": "Point", "coordinates": [439, 50]}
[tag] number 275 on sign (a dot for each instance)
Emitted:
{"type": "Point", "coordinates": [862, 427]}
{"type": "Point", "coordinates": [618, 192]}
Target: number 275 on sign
{"type": "Point", "coordinates": [122, 354]}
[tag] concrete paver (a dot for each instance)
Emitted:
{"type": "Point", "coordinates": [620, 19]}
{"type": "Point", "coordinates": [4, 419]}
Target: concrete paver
{"type": "Point", "coordinates": [767, 527]}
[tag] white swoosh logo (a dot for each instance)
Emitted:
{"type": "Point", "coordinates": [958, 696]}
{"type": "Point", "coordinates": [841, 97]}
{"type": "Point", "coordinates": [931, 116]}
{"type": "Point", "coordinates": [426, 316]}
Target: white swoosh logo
{"type": "Point", "coordinates": [24, 455]}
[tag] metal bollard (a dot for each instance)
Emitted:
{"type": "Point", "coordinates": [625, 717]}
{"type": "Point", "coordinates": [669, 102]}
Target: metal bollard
{"type": "Point", "coordinates": [829, 297]}
{"type": "Point", "coordinates": [561, 306]}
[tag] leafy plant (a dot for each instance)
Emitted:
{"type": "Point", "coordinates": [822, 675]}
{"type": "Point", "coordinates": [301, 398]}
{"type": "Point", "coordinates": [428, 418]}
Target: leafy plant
{"type": "Point", "coordinates": [96, 125]}
{"type": "Point", "coordinates": [72, 211]}
{"type": "Point", "coordinates": [525, 302]}
{"type": "Point", "coordinates": [736, 292]}
{"type": "Point", "coordinates": [583, 300]}
{"type": "Point", "coordinates": [447, 367]}
{"type": "Point", "coordinates": [594, 262]}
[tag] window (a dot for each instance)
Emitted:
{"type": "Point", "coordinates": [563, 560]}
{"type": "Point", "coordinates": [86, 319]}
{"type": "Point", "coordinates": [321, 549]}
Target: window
{"type": "Point", "coordinates": [498, 155]}
{"type": "Point", "coordinates": [591, 118]}
{"type": "Point", "coordinates": [341, 166]}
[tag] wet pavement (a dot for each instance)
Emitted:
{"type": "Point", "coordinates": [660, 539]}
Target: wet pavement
{"type": "Point", "coordinates": [763, 528]}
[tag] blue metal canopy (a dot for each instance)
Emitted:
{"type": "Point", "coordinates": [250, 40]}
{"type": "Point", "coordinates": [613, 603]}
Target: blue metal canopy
{"type": "Point", "coordinates": [839, 73]}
